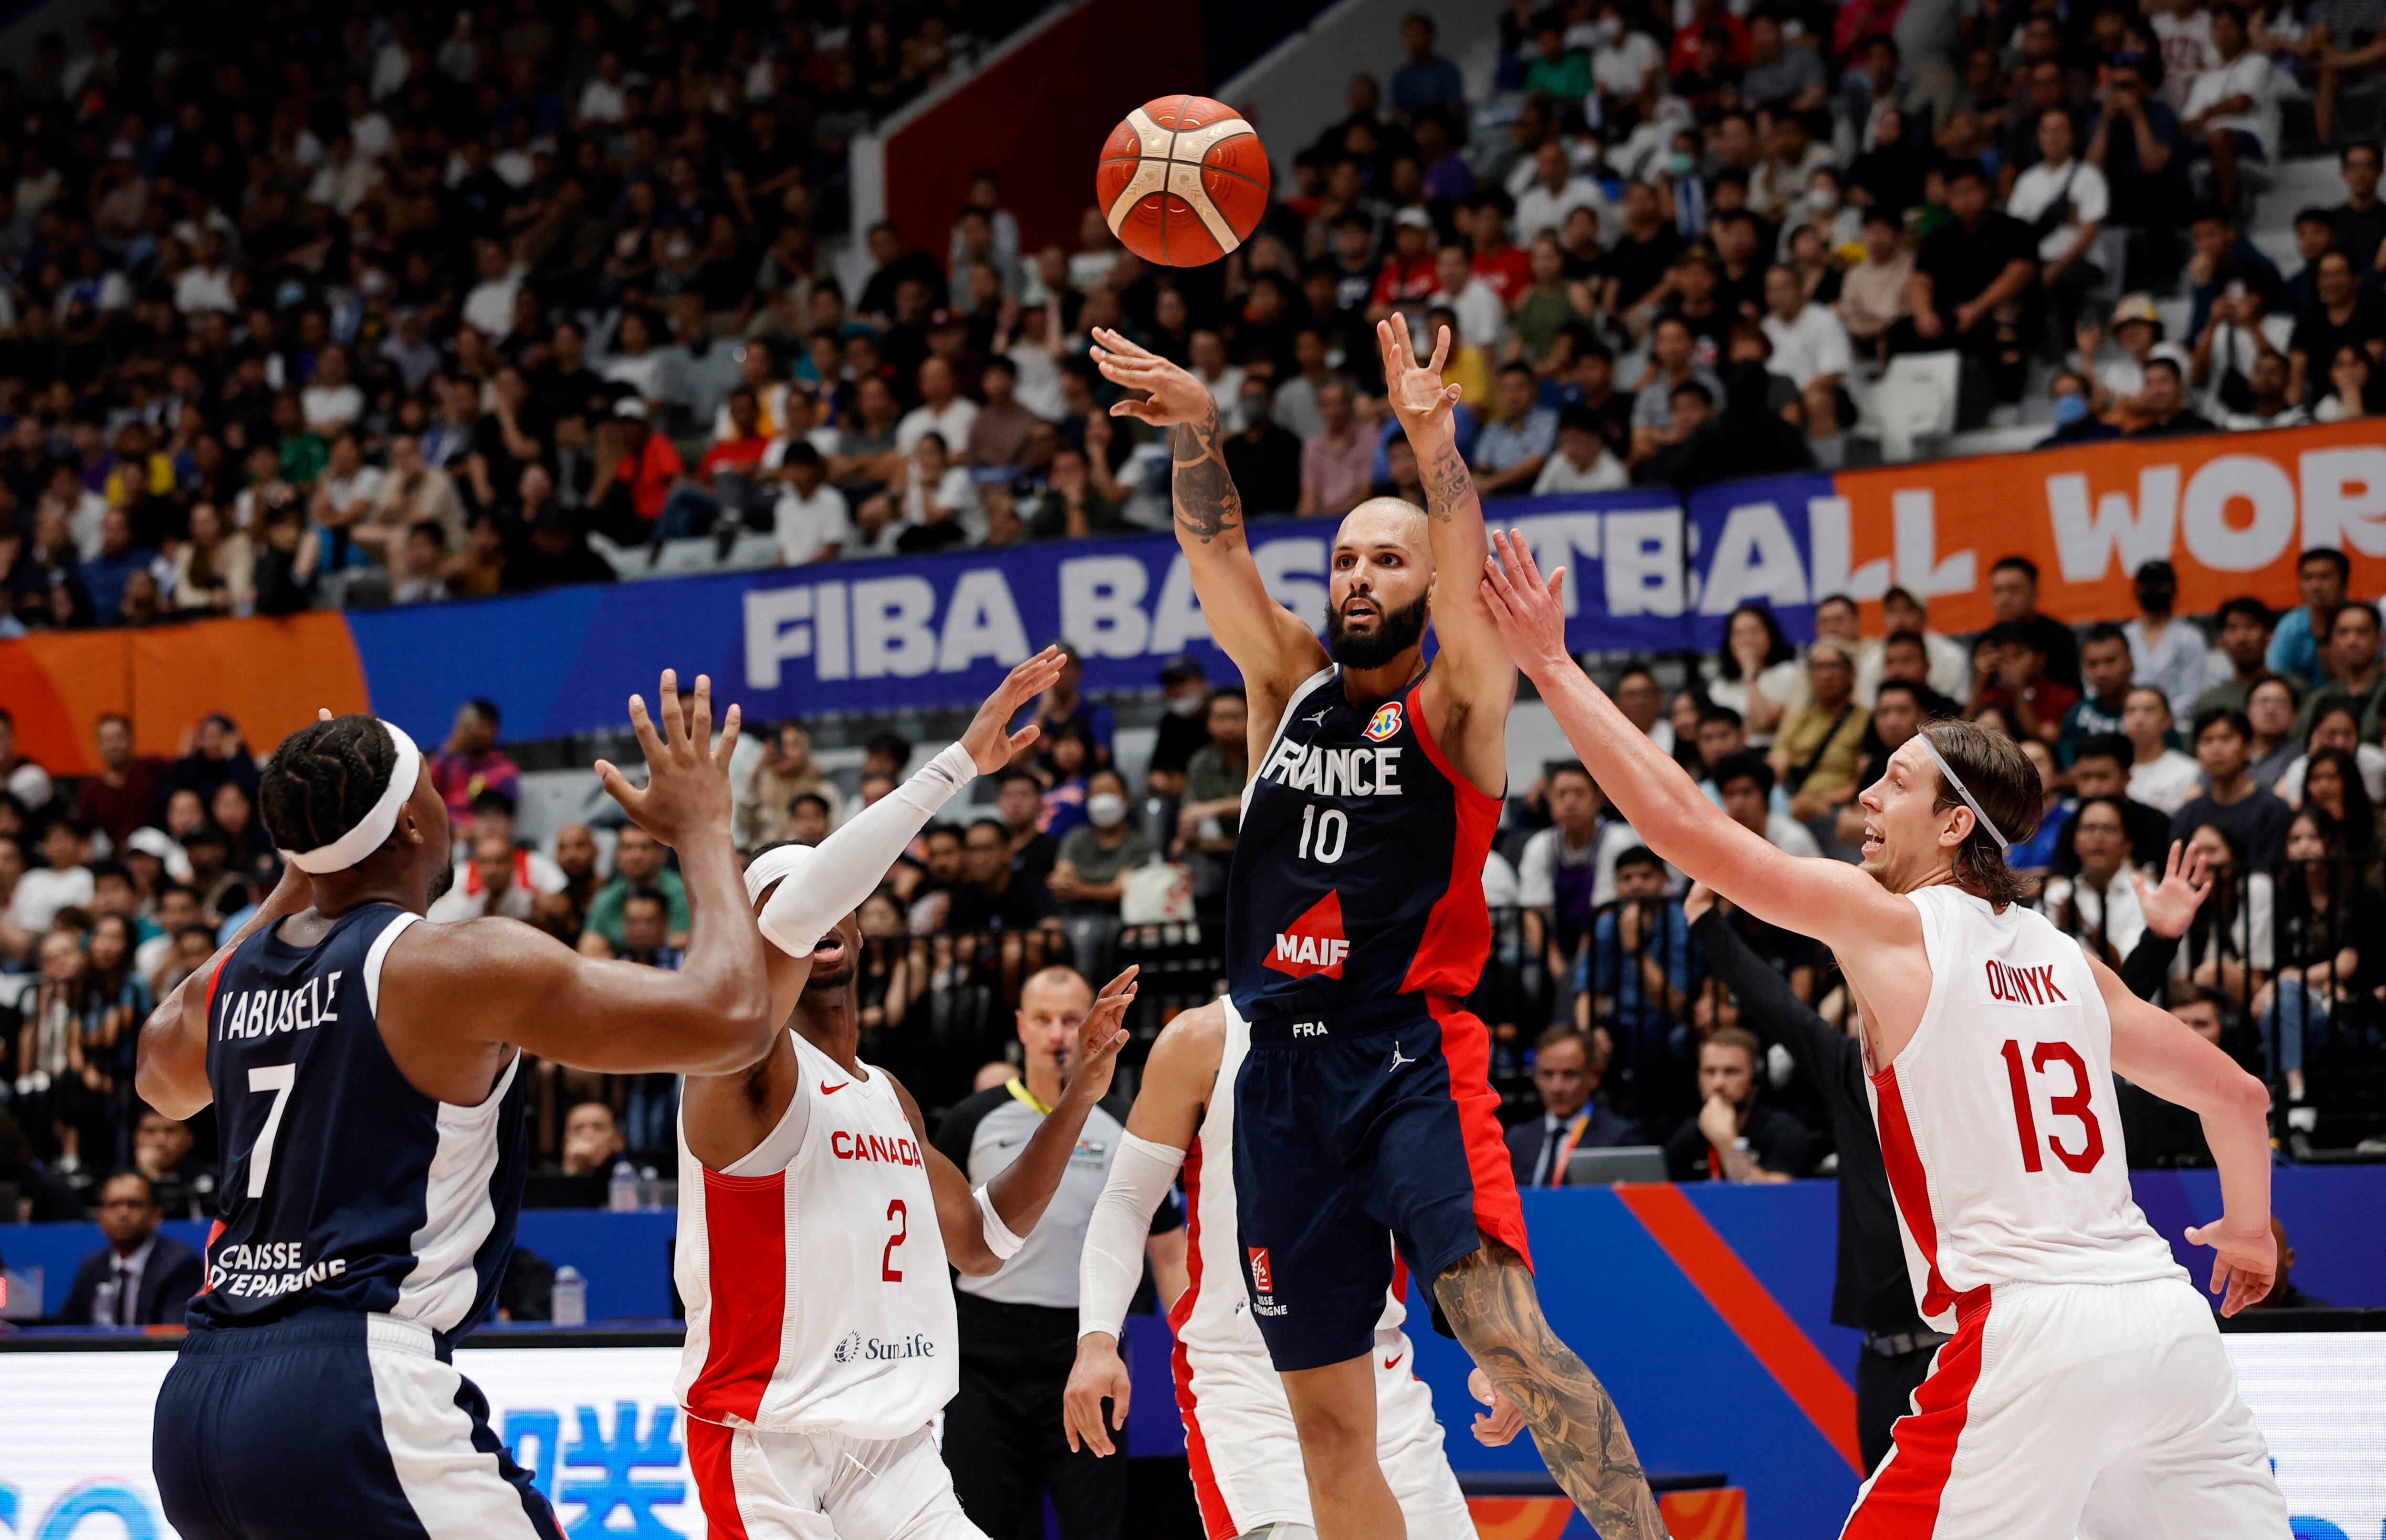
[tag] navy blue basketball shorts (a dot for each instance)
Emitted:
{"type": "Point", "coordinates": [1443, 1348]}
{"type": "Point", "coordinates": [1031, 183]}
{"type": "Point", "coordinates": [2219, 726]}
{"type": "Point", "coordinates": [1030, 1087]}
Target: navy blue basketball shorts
{"type": "Point", "coordinates": [1378, 1121]}
{"type": "Point", "coordinates": [334, 1424]}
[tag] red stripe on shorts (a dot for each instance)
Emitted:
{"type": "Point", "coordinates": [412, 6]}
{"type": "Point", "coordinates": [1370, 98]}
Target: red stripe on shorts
{"type": "Point", "coordinates": [1216, 1522]}
{"type": "Point", "coordinates": [708, 1456]}
{"type": "Point", "coordinates": [1466, 1050]}
{"type": "Point", "coordinates": [1902, 1500]}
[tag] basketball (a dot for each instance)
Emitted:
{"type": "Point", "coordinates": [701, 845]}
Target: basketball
{"type": "Point", "coordinates": [1183, 180]}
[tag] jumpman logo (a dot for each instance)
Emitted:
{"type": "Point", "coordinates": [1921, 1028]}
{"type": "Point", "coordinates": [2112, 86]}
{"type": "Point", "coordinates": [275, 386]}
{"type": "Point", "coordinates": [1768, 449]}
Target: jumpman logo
{"type": "Point", "coordinates": [1316, 716]}
{"type": "Point", "coordinates": [1398, 1059]}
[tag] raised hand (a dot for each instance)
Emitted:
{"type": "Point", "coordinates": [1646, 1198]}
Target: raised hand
{"type": "Point", "coordinates": [1099, 1039]}
{"type": "Point", "coordinates": [1529, 613]}
{"type": "Point", "coordinates": [2244, 1264]}
{"type": "Point", "coordinates": [687, 794]}
{"type": "Point", "coordinates": [988, 738]}
{"type": "Point", "coordinates": [1172, 393]}
{"type": "Point", "coordinates": [2170, 905]}
{"type": "Point", "coordinates": [1099, 1375]}
{"type": "Point", "coordinates": [1413, 390]}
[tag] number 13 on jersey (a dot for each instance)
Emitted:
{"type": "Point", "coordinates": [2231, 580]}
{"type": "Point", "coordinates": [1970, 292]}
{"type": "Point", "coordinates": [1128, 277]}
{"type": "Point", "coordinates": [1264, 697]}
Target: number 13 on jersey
{"type": "Point", "coordinates": [2072, 1103]}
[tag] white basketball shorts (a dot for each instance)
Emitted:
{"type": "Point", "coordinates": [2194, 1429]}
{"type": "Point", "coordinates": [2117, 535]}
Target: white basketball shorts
{"type": "Point", "coordinates": [2108, 1411]}
{"type": "Point", "coordinates": [763, 1485]}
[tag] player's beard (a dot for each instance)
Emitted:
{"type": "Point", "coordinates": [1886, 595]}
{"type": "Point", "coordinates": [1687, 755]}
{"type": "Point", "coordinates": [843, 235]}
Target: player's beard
{"type": "Point", "coordinates": [1396, 631]}
{"type": "Point", "coordinates": [441, 881]}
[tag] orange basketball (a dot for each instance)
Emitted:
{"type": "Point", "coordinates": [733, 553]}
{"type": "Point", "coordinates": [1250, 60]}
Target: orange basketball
{"type": "Point", "coordinates": [1183, 180]}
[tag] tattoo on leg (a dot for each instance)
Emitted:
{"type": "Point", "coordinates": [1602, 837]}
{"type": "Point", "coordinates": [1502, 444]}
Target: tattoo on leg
{"type": "Point", "coordinates": [1206, 503]}
{"type": "Point", "coordinates": [1489, 1301]}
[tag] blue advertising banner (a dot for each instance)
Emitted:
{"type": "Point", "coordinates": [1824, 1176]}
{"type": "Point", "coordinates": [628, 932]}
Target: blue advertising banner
{"type": "Point", "coordinates": [938, 630]}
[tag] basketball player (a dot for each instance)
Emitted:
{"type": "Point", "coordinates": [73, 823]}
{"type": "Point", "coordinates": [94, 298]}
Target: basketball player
{"type": "Point", "coordinates": [367, 1073]}
{"type": "Point", "coordinates": [816, 1220]}
{"type": "Point", "coordinates": [1355, 925]}
{"type": "Point", "coordinates": [2086, 1390]}
{"type": "Point", "coordinates": [1230, 1396]}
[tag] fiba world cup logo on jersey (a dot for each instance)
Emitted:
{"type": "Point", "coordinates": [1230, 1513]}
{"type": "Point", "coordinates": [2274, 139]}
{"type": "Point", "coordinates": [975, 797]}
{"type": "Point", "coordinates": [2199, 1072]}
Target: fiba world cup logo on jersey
{"type": "Point", "coordinates": [849, 1350]}
{"type": "Point", "coordinates": [1385, 722]}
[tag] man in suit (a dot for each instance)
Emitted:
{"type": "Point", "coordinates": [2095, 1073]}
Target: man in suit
{"type": "Point", "coordinates": [139, 1278]}
{"type": "Point", "coordinates": [1567, 1068]}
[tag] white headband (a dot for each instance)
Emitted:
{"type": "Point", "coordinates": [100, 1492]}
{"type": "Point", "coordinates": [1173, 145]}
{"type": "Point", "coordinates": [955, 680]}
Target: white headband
{"type": "Point", "coordinates": [1948, 771]}
{"type": "Point", "coordinates": [771, 865]}
{"type": "Point", "coordinates": [375, 826]}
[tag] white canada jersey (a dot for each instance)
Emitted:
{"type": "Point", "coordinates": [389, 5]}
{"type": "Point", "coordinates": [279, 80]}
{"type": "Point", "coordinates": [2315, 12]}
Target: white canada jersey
{"type": "Point", "coordinates": [1213, 1314]}
{"type": "Point", "coordinates": [813, 1270]}
{"type": "Point", "coordinates": [1998, 1122]}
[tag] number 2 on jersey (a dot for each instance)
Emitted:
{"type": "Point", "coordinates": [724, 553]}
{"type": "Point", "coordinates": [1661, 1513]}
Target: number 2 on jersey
{"type": "Point", "coordinates": [2070, 1103]}
{"type": "Point", "coordinates": [902, 1218]}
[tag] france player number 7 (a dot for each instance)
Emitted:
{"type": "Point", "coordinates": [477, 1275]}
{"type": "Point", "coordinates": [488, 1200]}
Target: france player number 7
{"type": "Point", "coordinates": [278, 1078]}
{"type": "Point", "coordinates": [2071, 1104]}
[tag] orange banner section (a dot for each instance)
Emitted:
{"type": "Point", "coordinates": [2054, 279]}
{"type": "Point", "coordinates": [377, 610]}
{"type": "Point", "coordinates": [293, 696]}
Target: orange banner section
{"type": "Point", "coordinates": [267, 675]}
{"type": "Point", "coordinates": [1718, 1514]}
{"type": "Point", "coordinates": [2231, 511]}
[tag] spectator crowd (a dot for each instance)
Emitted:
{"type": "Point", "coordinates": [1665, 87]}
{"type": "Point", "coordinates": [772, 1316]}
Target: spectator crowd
{"type": "Point", "coordinates": [324, 305]}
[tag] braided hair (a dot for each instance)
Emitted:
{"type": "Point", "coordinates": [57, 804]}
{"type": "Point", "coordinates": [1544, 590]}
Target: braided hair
{"type": "Point", "coordinates": [323, 779]}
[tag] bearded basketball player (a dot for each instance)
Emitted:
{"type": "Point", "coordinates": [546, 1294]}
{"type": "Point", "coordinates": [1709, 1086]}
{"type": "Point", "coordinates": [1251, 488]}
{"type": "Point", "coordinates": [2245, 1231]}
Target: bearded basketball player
{"type": "Point", "coordinates": [2086, 1391]}
{"type": "Point", "coordinates": [1355, 925]}
{"type": "Point", "coordinates": [366, 1070]}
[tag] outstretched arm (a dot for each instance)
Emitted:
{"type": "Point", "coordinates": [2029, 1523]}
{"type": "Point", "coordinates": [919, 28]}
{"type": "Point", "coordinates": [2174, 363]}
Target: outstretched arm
{"type": "Point", "coordinates": [1833, 902]}
{"type": "Point", "coordinates": [1020, 1193]}
{"type": "Point", "coordinates": [171, 1064]}
{"type": "Point", "coordinates": [2156, 1050]}
{"type": "Point", "coordinates": [1268, 643]}
{"type": "Point", "coordinates": [1473, 670]}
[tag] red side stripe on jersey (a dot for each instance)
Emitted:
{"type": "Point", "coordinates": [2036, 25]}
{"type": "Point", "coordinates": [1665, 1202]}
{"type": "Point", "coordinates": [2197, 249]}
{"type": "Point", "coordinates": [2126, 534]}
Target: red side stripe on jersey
{"type": "Point", "coordinates": [1902, 1500]}
{"type": "Point", "coordinates": [207, 1269]}
{"type": "Point", "coordinates": [1458, 929]}
{"type": "Point", "coordinates": [1466, 1050]}
{"type": "Point", "coordinates": [716, 1487]}
{"type": "Point", "coordinates": [1750, 1309]}
{"type": "Point", "coordinates": [1910, 1187]}
{"type": "Point", "coordinates": [1216, 1523]}
{"type": "Point", "coordinates": [745, 1267]}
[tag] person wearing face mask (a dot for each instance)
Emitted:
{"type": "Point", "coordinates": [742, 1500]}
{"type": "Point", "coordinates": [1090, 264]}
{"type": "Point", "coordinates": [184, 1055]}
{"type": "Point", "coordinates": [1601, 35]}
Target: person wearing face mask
{"type": "Point", "coordinates": [1097, 855]}
{"type": "Point", "coordinates": [1185, 691]}
{"type": "Point", "coordinates": [2075, 414]}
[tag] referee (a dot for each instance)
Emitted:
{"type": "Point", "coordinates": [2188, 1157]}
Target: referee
{"type": "Point", "coordinates": [1003, 1437]}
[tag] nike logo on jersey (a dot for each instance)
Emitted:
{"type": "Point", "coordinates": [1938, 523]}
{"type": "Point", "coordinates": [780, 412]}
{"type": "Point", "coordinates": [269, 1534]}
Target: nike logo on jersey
{"type": "Point", "coordinates": [1312, 944]}
{"type": "Point", "coordinates": [1335, 772]}
{"type": "Point", "coordinates": [1394, 1360]}
{"type": "Point", "coordinates": [828, 1090]}
{"type": "Point", "coordinates": [2032, 987]}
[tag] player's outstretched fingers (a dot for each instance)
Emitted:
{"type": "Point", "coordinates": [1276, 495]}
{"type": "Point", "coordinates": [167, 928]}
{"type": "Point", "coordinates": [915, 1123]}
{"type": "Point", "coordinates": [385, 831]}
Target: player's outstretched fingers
{"type": "Point", "coordinates": [618, 787]}
{"type": "Point", "coordinates": [699, 724]}
{"type": "Point", "coordinates": [641, 725]}
{"type": "Point", "coordinates": [1441, 350]}
{"type": "Point", "coordinates": [729, 727]}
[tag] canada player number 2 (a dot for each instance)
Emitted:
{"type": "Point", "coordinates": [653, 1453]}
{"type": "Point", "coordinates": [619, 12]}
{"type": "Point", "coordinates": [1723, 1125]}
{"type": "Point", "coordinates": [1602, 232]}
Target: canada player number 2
{"type": "Point", "coordinates": [2072, 1103]}
{"type": "Point", "coordinates": [900, 1218]}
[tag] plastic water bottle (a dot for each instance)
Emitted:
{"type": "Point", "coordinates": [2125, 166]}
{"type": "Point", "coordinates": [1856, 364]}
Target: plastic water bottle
{"type": "Point", "coordinates": [571, 1297]}
{"type": "Point", "coordinates": [650, 1189]}
{"type": "Point", "coordinates": [622, 1192]}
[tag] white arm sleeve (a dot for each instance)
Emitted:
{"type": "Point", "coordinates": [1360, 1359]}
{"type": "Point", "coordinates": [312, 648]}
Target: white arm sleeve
{"type": "Point", "coordinates": [1111, 1264]}
{"type": "Point", "coordinates": [851, 863]}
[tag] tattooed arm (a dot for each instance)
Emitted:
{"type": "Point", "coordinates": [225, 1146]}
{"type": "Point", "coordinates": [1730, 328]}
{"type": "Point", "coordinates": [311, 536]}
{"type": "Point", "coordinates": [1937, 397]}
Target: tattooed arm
{"type": "Point", "coordinates": [1275, 649]}
{"type": "Point", "coordinates": [1488, 1300]}
{"type": "Point", "coordinates": [1467, 695]}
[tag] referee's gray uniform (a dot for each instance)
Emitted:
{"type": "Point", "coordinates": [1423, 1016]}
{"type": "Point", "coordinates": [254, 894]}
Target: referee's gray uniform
{"type": "Point", "coordinates": [1003, 1438]}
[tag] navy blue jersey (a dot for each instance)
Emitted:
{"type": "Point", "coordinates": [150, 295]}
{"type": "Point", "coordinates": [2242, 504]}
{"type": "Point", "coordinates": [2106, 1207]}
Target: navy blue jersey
{"type": "Point", "coordinates": [342, 1186]}
{"type": "Point", "coordinates": [1358, 871]}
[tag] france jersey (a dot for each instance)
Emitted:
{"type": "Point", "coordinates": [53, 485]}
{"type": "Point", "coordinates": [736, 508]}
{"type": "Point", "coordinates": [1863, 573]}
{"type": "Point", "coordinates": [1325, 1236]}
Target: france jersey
{"type": "Point", "coordinates": [1355, 926]}
{"type": "Point", "coordinates": [343, 1187]}
{"type": "Point", "coordinates": [364, 1226]}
